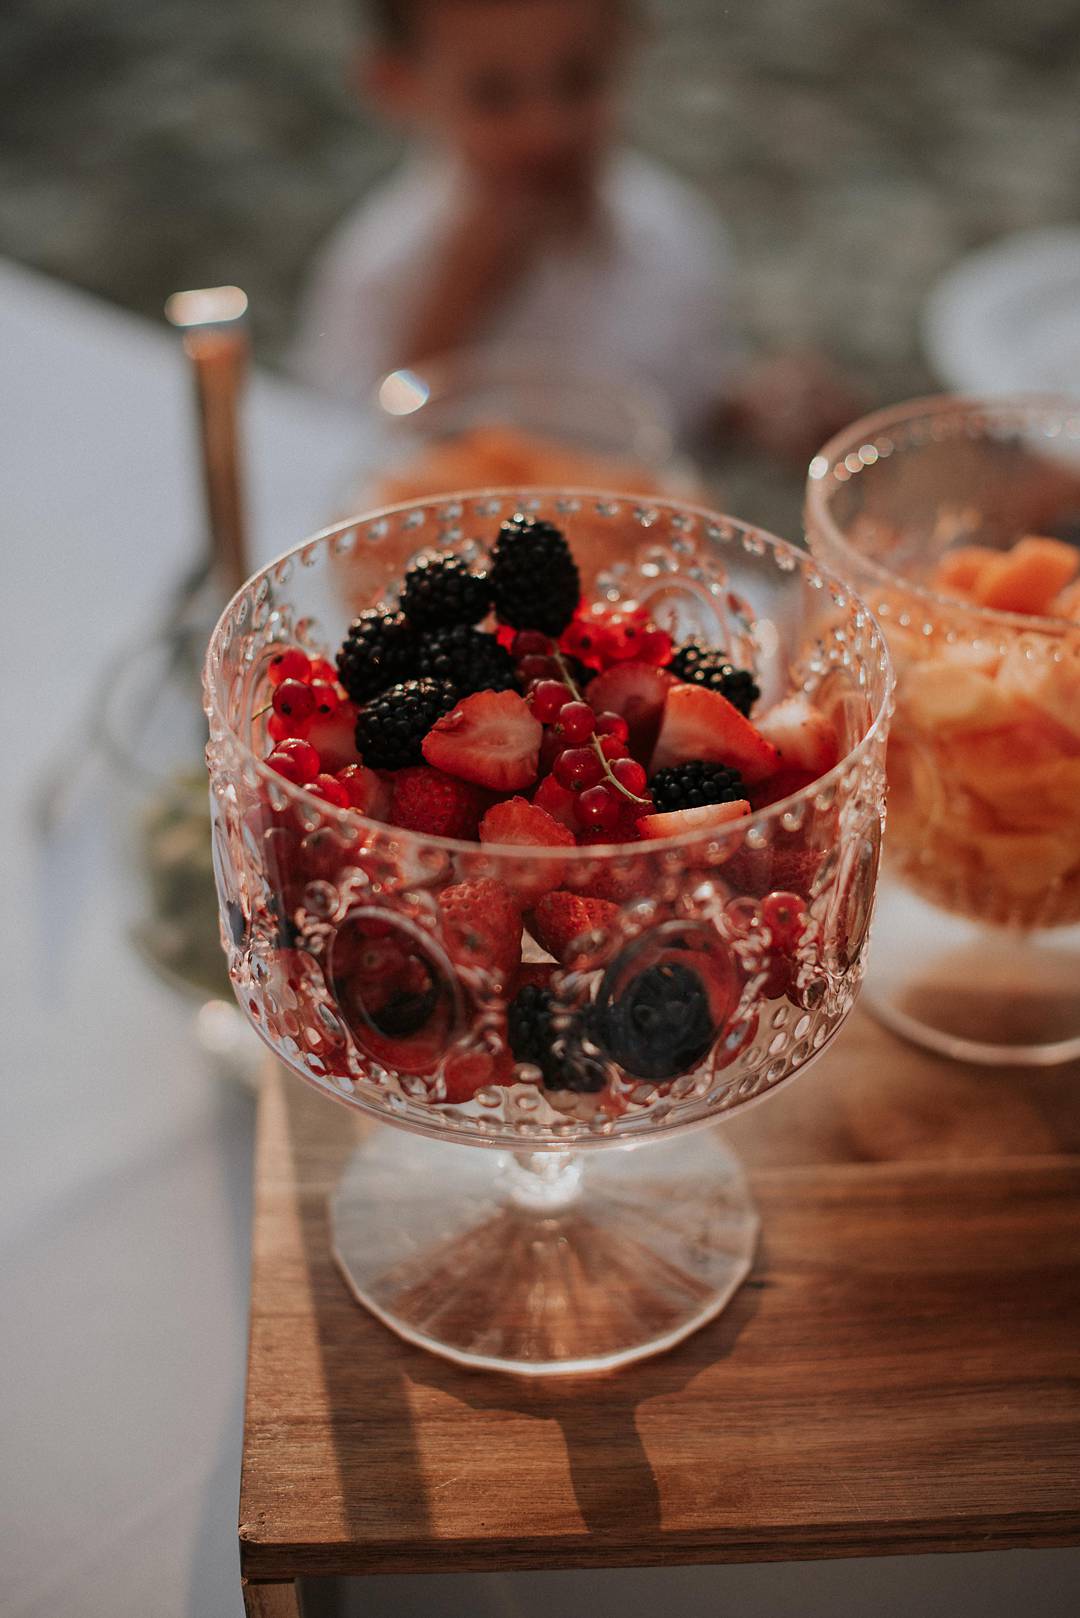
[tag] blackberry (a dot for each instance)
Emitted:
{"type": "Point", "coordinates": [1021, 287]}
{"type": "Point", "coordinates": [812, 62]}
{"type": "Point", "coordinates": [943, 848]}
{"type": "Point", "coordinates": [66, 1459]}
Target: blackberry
{"type": "Point", "coordinates": [468, 658]}
{"type": "Point", "coordinates": [690, 786]}
{"type": "Point", "coordinates": [378, 651]}
{"type": "Point", "coordinates": [704, 665]}
{"type": "Point", "coordinates": [660, 1025]}
{"type": "Point", "coordinates": [391, 727]}
{"type": "Point", "coordinates": [440, 590]}
{"type": "Point", "coordinates": [534, 579]}
{"type": "Point", "coordinates": [533, 1039]}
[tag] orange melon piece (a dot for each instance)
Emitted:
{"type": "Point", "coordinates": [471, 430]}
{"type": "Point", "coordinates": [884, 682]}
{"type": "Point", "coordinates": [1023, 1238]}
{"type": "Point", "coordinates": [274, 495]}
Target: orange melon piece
{"type": "Point", "coordinates": [1028, 577]}
{"type": "Point", "coordinates": [1067, 604]}
{"type": "Point", "coordinates": [959, 571]}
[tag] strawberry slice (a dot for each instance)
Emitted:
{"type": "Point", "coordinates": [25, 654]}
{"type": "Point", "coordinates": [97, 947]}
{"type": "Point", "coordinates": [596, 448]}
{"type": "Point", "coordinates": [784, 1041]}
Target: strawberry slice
{"type": "Point", "coordinates": [465, 1072]}
{"type": "Point", "coordinates": [701, 724]}
{"type": "Point", "coordinates": [368, 792]}
{"type": "Point", "coordinates": [334, 738]}
{"type": "Point", "coordinates": [637, 691]}
{"type": "Point", "coordinates": [562, 917]}
{"type": "Point", "coordinates": [431, 801]}
{"type": "Point", "coordinates": [674, 822]}
{"type": "Point", "coordinates": [491, 739]}
{"type": "Point", "coordinates": [517, 823]}
{"type": "Point", "coordinates": [803, 737]}
{"type": "Point", "coordinates": [522, 824]}
{"type": "Point", "coordinates": [482, 926]}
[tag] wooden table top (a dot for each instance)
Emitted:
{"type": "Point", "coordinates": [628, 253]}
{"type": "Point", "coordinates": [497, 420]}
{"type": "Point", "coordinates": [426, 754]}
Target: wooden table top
{"type": "Point", "coordinates": [899, 1374]}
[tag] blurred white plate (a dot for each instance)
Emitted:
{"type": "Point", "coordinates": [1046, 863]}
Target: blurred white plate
{"type": "Point", "coordinates": [1007, 319]}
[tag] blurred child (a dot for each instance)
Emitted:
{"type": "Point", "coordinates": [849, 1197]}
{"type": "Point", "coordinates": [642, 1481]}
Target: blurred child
{"type": "Point", "coordinates": [520, 220]}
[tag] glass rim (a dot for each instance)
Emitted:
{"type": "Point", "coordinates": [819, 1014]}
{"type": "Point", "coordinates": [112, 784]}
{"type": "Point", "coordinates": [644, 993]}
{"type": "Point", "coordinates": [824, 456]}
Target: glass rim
{"type": "Point", "coordinates": [858, 436]}
{"type": "Point", "coordinates": [500, 852]}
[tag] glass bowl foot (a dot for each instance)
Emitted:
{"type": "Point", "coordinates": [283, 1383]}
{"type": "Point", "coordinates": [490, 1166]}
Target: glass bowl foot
{"type": "Point", "coordinates": [543, 1263]}
{"type": "Point", "coordinates": [971, 991]}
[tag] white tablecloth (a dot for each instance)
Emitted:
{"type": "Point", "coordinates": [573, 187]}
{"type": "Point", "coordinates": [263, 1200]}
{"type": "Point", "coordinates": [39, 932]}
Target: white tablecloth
{"type": "Point", "coordinates": [124, 1185]}
{"type": "Point", "coordinates": [125, 1172]}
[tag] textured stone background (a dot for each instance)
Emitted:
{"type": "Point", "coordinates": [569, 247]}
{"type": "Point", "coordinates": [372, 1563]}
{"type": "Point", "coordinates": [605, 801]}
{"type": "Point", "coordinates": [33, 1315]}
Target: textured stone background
{"type": "Point", "coordinates": [856, 147]}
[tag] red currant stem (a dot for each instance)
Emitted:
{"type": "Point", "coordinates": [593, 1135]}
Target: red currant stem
{"type": "Point", "coordinates": [594, 740]}
{"type": "Point", "coordinates": [260, 711]}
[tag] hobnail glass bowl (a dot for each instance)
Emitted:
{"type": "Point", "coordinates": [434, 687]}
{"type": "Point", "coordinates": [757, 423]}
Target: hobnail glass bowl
{"type": "Point", "coordinates": [977, 946]}
{"type": "Point", "coordinates": [553, 1250]}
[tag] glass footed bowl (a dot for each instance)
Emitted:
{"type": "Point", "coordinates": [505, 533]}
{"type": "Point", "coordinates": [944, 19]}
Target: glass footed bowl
{"type": "Point", "coordinates": [977, 947]}
{"type": "Point", "coordinates": [553, 1250]}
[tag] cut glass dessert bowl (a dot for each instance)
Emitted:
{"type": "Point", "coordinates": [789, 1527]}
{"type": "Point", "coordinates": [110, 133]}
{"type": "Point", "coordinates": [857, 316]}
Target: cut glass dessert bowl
{"type": "Point", "coordinates": [543, 1025]}
{"type": "Point", "coordinates": [958, 522]}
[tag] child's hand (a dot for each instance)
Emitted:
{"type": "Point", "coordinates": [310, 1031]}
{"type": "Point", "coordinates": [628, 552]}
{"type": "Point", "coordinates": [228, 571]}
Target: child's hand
{"type": "Point", "coordinates": [789, 406]}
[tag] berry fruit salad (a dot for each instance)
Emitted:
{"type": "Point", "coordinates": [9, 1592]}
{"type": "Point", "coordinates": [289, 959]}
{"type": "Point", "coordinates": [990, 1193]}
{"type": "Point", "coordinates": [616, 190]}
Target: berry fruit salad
{"type": "Point", "coordinates": [508, 836]}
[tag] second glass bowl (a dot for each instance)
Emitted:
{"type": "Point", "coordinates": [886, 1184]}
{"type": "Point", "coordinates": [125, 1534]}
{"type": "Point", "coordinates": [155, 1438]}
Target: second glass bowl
{"type": "Point", "coordinates": [977, 949]}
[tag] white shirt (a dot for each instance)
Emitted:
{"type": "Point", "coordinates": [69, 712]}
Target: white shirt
{"type": "Point", "coordinates": [647, 294]}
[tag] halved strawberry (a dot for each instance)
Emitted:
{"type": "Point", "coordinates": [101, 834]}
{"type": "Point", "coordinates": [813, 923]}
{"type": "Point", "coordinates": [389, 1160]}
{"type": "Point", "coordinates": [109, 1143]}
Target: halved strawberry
{"type": "Point", "coordinates": [491, 739]}
{"type": "Point", "coordinates": [781, 785]}
{"type": "Point", "coordinates": [759, 871]}
{"type": "Point", "coordinates": [334, 738]}
{"type": "Point", "coordinates": [803, 737]}
{"type": "Point", "coordinates": [701, 724]}
{"type": "Point", "coordinates": [482, 926]}
{"type": "Point", "coordinates": [674, 822]}
{"type": "Point", "coordinates": [431, 801]}
{"type": "Point", "coordinates": [637, 691]}
{"type": "Point", "coordinates": [368, 792]}
{"type": "Point", "coordinates": [561, 917]}
{"type": "Point", "coordinates": [522, 824]}
{"type": "Point", "coordinates": [467, 1071]}
{"type": "Point", "coordinates": [517, 823]}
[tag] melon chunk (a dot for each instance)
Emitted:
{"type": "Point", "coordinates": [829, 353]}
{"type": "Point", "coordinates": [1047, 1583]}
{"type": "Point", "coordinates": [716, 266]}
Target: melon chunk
{"type": "Point", "coordinates": [1027, 577]}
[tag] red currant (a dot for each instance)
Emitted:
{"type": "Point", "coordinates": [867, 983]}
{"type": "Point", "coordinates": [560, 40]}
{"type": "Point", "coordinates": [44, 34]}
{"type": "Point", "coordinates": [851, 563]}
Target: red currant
{"type": "Point", "coordinates": [576, 721]}
{"type": "Point", "coordinates": [331, 791]}
{"type": "Point", "coordinates": [612, 724]}
{"type": "Point", "coordinates": [613, 747]}
{"type": "Point", "coordinates": [584, 640]}
{"type": "Point", "coordinates": [290, 664]}
{"type": "Point", "coordinates": [630, 775]}
{"type": "Point", "coordinates": [624, 641]}
{"type": "Point", "coordinates": [327, 701]}
{"type": "Point", "coordinates": [655, 647]}
{"type": "Point", "coordinates": [279, 729]}
{"type": "Point", "coordinates": [784, 914]}
{"type": "Point", "coordinates": [597, 806]}
{"type": "Point", "coordinates": [306, 756]}
{"type": "Point", "coordinates": [530, 643]}
{"type": "Point", "coordinates": [294, 700]}
{"type": "Point", "coordinates": [547, 699]}
{"type": "Point", "coordinates": [287, 765]}
{"type": "Point", "coordinates": [578, 768]}
{"type": "Point", "coordinates": [322, 670]}
{"type": "Point", "coordinates": [538, 668]}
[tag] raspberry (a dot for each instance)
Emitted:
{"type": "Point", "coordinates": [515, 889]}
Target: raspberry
{"type": "Point", "coordinates": [427, 800]}
{"type": "Point", "coordinates": [391, 728]}
{"type": "Point", "coordinates": [469, 659]}
{"type": "Point", "coordinates": [379, 651]}
{"type": "Point", "coordinates": [694, 784]}
{"type": "Point", "coordinates": [534, 578]}
{"type": "Point", "coordinates": [704, 665]}
{"type": "Point", "coordinates": [440, 591]}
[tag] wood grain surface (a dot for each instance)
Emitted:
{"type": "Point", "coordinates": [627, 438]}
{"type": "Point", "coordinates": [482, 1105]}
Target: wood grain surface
{"type": "Point", "coordinates": [900, 1373]}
